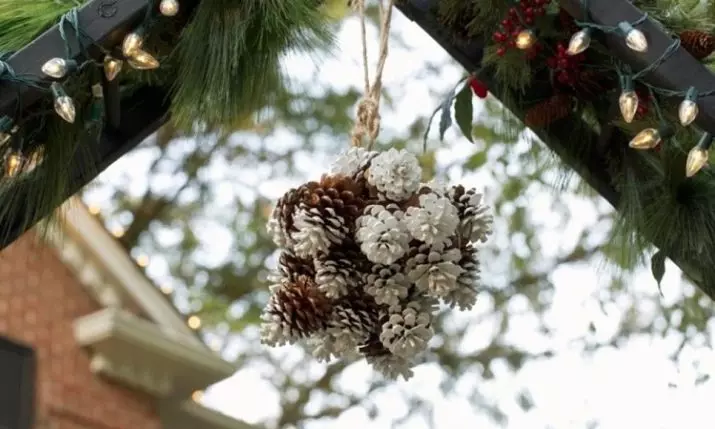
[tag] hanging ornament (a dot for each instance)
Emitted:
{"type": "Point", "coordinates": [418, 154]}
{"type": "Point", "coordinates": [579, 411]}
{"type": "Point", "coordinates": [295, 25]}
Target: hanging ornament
{"type": "Point", "coordinates": [133, 42]}
{"type": "Point", "coordinates": [112, 67]}
{"type": "Point", "coordinates": [141, 60]}
{"type": "Point", "coordinates": [698, 43]}
{"type": "Point", "coordinates": [58, 68]}
{"type": "Point", "coordinates": [688, 109]}
{"type": "Point", "coordinates": [635, 39]}
{"type": "Point", "coordinates": [169, 7]}
{"type": "Point", "coordinates": [650, 137]}
{"type": "Point", "coordinates": [478, 87]}
{"type": "Point", "coordinates": [579, 42]}
{"type": "Point", "coordinates": [699, 155]}
{"type": "Point", "coordinates": [628, 100]}
{"type": "Point", "coordinates": [367, 252]}
{"type": "Point", "coordinates": [64, 106]}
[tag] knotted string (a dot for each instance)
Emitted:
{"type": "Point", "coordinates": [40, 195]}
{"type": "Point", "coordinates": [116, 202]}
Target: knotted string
{"type": "Point", "coordinates": [367, 121]}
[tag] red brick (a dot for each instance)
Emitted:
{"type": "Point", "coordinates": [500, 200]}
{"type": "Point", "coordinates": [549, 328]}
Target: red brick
{"type": "Point", "coordinates": [39, 300]}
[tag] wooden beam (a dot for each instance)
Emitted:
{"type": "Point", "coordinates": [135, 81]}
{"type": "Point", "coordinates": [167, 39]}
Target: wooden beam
{"type": "Point", "coordinates": [129, 120]}
{"type": "Point", "coordinates": [142, 114]}
{"type": "Point", "coordinates": [591, 166]}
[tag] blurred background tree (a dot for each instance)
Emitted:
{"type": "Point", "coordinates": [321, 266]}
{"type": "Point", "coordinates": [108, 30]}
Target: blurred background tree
{"type": "Point", "coordinates": [198, 207]}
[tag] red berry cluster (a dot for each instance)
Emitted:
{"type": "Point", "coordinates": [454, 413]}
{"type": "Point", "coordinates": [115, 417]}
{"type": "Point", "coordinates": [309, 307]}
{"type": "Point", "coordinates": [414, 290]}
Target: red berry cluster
{"type": "Point", "coordinates": [514, 23]}
{"type": "Point", "coordinates": [643, 103]}
{"type": "Point", "coordinates": [566, 67]}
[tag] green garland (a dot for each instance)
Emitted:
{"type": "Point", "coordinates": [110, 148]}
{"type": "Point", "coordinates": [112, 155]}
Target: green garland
{"type": "Point", "coordinates": [219, 69]}
{"type": "Point", "coordinates": [657, 203]}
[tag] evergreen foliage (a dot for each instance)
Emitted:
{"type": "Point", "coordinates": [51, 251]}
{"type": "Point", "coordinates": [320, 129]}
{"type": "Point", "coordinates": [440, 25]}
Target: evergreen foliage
{"type": "Point", "coordinates": [219, 68]}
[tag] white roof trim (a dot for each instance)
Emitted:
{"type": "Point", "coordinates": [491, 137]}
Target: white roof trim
{"type": "Point", "coordinates": [210, 418]}
{"type": "Point", "coordinates": [120, 269]}
{"type": "Point", "coordinates": [125, 346]}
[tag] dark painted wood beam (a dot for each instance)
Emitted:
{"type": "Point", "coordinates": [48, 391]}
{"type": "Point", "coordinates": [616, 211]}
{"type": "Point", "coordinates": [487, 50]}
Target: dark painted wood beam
{"type": "Point", "coordinates": [608, 145]}
{"type": "Point", "coordinates": [130, 119]}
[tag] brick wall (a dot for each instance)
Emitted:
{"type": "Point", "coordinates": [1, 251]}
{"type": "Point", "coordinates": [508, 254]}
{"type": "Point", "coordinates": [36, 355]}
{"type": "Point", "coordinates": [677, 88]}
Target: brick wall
{"type": "Point", "coordinates": [39, 299]}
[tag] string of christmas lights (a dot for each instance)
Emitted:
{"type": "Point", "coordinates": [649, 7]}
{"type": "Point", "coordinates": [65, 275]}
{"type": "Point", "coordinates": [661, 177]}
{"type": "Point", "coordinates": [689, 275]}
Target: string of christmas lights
{"type": "Point", "coordinates": [61, 68]}
{"type": "Point", "coordinates": [628, 100]}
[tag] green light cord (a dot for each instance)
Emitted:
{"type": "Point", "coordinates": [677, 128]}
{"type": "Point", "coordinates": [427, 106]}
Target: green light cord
{"type": "Point", "coordinates": [81, 38]}
{"type": "Point", "coordinates": [605, 28]}
{"type": "Point", "coordinates": [669, 52]}
{"type": "Point", "coordinates": [7, 73]}
{"type": "Point", "coordinates": [672, 49]}
{"type": "Point", "coordinates": [658, 111]}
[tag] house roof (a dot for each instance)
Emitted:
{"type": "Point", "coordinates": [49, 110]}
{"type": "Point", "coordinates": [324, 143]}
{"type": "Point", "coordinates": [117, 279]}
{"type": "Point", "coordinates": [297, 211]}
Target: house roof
{"type": "Point", "coordinates": [139, 337]}
{"type": "Point", "coordinates": [119, 270]}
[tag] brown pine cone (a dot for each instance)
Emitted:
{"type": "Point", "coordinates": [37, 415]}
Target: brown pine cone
{"type": "Point", "coordinates": [698, 43]}
{"type": "Point", "coordinates": [465, 295]}
{"type": "Point", "coordinates": [340, 271]}
{"type": "Point", "coordinates": [356, 313]}
{"type": "Point", "coordinates": [330, 206]}
{"type": "Point", "coordinates": [295, 310]}
{"type": "Point", "coordinates": [293, 267]}
{"type": "Point", "coordinates": [548, 111]}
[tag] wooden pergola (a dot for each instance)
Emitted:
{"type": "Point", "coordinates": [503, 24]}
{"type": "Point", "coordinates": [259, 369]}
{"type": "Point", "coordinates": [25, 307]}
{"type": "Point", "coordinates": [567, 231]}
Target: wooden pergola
{"type": "Point", "coordinates": [132, 119]}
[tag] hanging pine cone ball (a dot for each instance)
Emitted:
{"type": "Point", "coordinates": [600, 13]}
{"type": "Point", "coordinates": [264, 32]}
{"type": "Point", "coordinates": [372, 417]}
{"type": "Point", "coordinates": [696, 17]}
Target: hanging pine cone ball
{"type": "Point", "coordinates": [366, 254]}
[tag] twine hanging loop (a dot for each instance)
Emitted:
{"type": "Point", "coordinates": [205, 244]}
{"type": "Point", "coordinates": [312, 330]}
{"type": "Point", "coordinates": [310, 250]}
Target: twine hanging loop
{"type": "Point", "coordinates": [367, 120]}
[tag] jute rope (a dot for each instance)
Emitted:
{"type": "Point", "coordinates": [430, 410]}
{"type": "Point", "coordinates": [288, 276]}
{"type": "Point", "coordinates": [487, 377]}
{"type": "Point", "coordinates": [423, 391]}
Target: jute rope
{"type": "Point", "coordinates": [367, 121]}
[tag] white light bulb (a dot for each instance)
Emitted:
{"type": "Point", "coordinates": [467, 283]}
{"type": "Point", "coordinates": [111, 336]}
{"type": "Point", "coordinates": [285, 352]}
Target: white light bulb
{"type": "Point", "coordinates": [141, 60]}
{"type": "Point", "coordinates": [579, 42]}
{"type": "Point", "coordinates": [628, 103]}
{"type": "Point", "coordinates": [687, 112]}
{"type": "Point", "coordinates": [688, 109]}
{"type": "Point", "coordinates": [525, 39]}
{"type": "Point", "coordinates": [112, 67]}
{"type": "Point", "coordinates": [132, 43]}
{"type": "Point", "coordinates": [56, 68]}
{"type": "Point", "coordinates": [646, 139]}
{"type": "Point", "coordinates": [699, 155]}
{"type": "Point", "coordinates": [169, 7]}
{"type": "Point", "coordinates": [64, 106]}
{"type": "Point", "coordinates": [635, 39]}
{"type": "Point", "coordinates": [13, 164]}
{"type": "Point", "coordinates": [697, 159]}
